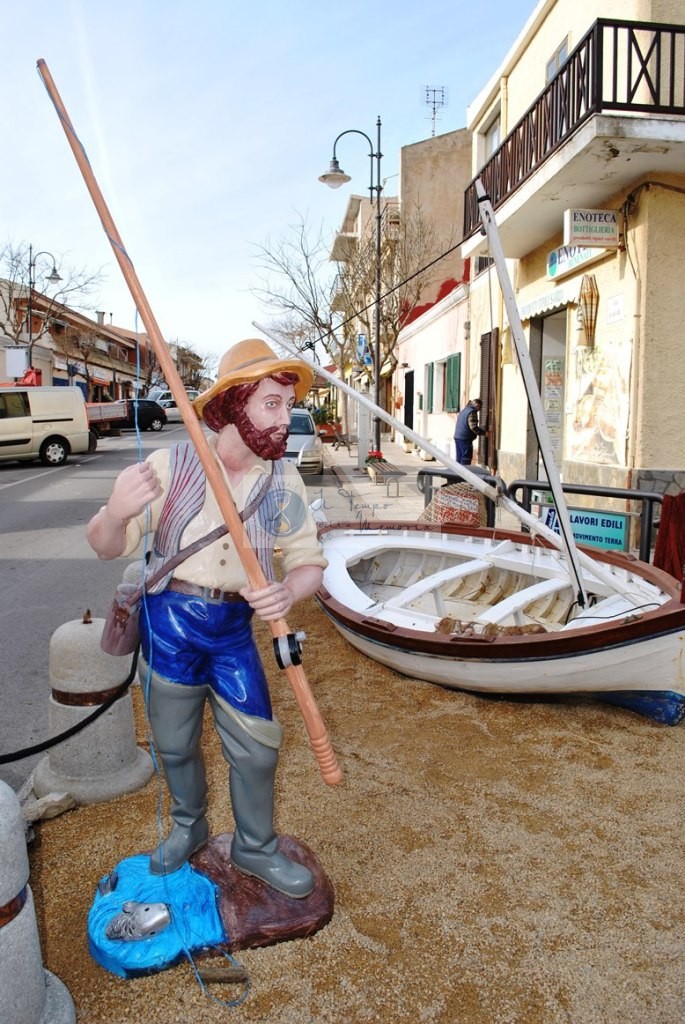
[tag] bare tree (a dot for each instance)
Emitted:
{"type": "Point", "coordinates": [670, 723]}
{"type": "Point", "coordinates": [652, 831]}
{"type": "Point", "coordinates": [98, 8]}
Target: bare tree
{"type": "Point", "coordinates": [316, 304]}
{"type": "Point", "coordinates": [298, 285]}
{"type": "Point", "coordinates": [194, 368]}
{"type": "Point", "coordinates": [75, 286]}
{"type": "Point", "coordinates": [411, 253]}
{"type": "Point", "coordinates": [208, 368]}
{"type": "Point", "coordinates": [298, 277]}
{"type": "Point", "coordinates": [76, 345]}
{"type": "Point", "coordinates": [152, 375]}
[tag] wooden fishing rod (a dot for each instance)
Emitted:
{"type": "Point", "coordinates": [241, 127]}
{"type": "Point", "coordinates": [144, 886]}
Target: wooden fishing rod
{"type": "Point", "coordinates": [284, 640]}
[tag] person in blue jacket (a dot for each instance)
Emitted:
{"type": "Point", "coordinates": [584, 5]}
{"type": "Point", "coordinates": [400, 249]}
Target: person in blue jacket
{"type": "Point", "coordinates": [467, 430]}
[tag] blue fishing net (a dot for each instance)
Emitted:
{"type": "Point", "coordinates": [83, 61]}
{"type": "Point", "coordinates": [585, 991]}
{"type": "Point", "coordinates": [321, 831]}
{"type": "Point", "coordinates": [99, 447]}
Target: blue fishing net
{"type": "Point", "coordinates": [193, 902]}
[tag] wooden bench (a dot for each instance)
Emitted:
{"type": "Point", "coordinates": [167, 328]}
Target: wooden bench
{"type": "Point", "coordinates": [386, 473]}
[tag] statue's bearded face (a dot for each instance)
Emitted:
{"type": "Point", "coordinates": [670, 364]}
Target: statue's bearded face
{"type": "Point", "coordinates": [264, 421]}
{"type": "Point", "coordinates": [260, 412]}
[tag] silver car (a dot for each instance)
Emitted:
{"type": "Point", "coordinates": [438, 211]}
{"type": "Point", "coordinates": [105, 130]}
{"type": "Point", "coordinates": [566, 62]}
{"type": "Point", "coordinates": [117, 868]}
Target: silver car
{"type": "Point", "coordinates": [173, 413]}
{"type": "Point", "coordinates": [305, 449]}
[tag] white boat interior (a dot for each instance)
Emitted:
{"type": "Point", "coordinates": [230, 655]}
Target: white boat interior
{"type": "Point", "coordinates": [414, 579]}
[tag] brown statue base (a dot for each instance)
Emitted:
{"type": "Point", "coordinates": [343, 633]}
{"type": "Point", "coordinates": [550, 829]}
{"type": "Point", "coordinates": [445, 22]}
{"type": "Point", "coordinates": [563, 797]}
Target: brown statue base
{"type": "Point", "coordinates": [253, 913]}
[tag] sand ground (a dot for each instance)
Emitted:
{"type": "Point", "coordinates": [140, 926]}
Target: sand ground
{"type": "Point", "coordinates": [494, 862]}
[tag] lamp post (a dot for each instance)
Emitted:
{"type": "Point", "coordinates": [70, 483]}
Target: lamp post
{"type": "Point", "coordinates": [54, 278]}
{"type": "Point", "coordinates": [334, 178]}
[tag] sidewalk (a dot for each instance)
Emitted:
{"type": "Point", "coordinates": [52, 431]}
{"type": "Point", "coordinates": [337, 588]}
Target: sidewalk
{"type": "Point", "coordinates": [358, 497]}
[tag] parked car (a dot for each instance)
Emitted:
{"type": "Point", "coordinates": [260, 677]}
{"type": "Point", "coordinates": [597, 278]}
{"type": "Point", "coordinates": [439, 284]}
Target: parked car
{"type": "Point", "coordinates": [46, 423]}
{"type": "Point", "coordinates": [173, 413]}
{"type": "Point", "coordinates": [144, 414]}
{"type": "Point", "coordinates": [305, 449]}
{"type": "Point", "coordinates": [165, 395]}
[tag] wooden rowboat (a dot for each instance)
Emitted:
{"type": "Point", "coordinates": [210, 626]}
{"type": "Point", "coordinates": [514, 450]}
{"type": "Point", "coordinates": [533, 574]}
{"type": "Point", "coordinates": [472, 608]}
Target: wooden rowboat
{"type": "Point", "coordinates": [492, 611]}
{"type": "Point", "coordinates": [499, 612]}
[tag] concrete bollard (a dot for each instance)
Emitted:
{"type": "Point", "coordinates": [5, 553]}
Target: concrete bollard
{"type": "Point", "coordinates": [29, 993]}
{"type": "Point", "coordinates": [102, 761]}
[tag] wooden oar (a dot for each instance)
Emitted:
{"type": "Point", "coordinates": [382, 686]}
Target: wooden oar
{"type": "Point", "coordinates": [314, 724]}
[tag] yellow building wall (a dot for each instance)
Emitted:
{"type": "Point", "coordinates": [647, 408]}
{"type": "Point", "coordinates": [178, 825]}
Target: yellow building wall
{"type": "Point", "coordinates": [660, 439]}
{"type": "Point", "coordinates": [623, 394]}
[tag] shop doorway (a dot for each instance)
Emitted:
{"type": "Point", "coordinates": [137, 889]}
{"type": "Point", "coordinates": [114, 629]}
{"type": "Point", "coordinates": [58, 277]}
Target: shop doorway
{"type": "Point", "coordinates": [548, 357]}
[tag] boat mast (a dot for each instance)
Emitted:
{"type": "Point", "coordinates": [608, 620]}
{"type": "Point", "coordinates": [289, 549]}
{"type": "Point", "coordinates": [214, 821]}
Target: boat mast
{"type": "Point", "coordinates": [532, 391]}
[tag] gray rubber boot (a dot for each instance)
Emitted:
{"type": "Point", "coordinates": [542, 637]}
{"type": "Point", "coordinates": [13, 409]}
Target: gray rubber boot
{"type": "Point", "coordinates": [254, 849]}
{"type": "Point", "coordinates": [175, 714]}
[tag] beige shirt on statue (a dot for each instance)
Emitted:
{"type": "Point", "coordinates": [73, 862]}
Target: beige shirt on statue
{"type": "Point", "coordinates": [218, 564]}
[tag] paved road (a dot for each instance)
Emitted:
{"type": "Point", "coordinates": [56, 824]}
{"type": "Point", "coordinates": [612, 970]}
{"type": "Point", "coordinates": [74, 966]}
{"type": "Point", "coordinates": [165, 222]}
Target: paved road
{"type": "Point", "coordinates": [50, 575]}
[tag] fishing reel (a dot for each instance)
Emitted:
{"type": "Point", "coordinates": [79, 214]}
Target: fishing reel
{"type": "Point", "coordinates": [288, 649]}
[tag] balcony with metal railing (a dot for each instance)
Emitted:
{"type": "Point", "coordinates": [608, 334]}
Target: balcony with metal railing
{"type": "Point", "coordinates": [613, 112]}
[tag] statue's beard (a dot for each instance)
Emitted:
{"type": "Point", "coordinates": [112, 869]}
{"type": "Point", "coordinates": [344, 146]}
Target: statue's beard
{"type": "Point", "coordinates": [267, 444]}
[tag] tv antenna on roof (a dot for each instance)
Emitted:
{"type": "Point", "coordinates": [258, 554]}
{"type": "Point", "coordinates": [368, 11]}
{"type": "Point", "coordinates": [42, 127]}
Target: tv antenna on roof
{"type": "Point", "coordinates": [435, 99]}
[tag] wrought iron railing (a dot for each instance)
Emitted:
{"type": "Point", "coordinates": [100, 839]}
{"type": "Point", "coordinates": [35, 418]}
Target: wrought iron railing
{"type": "Point", "coordinates": [647, 499]}
{"type": "Point", "coordinates": [627, 66]}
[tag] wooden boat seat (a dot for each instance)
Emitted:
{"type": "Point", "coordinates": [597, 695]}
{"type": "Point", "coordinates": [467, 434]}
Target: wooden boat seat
{"type": "Point", "coordinates": [616, 605]}
{"type": "Point", "coordinates": [554, 608]}
{"type": "Point", "coordinates": [424, 586]}
{"type": "Point", "coordinates": [515, 604]}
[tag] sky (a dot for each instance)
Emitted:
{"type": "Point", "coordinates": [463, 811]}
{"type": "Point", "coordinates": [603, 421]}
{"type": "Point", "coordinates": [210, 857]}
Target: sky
{"type": "Point", "coordinates": [207, 124]}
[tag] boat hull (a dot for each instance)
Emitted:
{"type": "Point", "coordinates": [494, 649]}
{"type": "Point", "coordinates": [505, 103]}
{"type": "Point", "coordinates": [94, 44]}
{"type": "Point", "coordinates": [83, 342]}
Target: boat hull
{"type": "Point", "coordinates": [638, 664]}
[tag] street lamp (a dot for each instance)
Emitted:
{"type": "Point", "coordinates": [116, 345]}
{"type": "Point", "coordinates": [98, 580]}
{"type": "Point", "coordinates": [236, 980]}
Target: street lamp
{"type": "Point", "coordinates": [334, 178]}
{"type": "Point", "coordinates": [54, 278]}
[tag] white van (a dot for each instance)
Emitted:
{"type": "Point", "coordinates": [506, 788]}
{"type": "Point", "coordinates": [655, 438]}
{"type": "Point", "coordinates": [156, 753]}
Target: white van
{"type": "Point", "coordinates": [43, 423]}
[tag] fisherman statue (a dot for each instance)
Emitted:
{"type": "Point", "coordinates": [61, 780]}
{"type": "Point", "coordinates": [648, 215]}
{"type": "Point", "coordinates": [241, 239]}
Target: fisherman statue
{"type": "Point", "coordinates": [197, 644]}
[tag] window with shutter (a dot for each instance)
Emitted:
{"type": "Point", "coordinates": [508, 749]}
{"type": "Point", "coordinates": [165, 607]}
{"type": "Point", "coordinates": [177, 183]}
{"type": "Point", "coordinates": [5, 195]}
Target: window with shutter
{"type": "Point", "coordinates": [430, 373]}
{"type": "Point", "coordinates": [453, 382]}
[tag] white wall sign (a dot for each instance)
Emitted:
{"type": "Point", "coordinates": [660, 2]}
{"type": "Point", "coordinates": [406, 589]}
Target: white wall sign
{"type": "Point", "coordinates": [16, 361]}
{"type": "Point", "coordinates": [591, 228]}
{"type": "Point", "coordinates": [615, 308]}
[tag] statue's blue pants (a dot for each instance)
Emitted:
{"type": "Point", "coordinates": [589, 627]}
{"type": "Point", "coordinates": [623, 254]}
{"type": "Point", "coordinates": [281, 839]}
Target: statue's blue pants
{"type": "Point", "coordinates": [193, 642]}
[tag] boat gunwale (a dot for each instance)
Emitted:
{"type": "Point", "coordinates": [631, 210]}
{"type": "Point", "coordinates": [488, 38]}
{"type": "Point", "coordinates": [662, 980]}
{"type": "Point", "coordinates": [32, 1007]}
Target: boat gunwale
{"type": "Point", "coordinates": [669, 617]}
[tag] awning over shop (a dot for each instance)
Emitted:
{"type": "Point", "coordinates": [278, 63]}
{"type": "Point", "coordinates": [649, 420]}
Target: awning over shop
{"type": "Point", "coordinates": [549, 301]}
